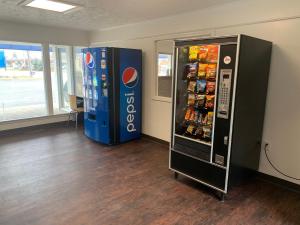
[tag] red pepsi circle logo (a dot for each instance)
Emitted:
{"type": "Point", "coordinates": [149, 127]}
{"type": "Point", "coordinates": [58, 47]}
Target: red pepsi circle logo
{"type": "Point", "coordinates": [130, 77]}
{"type": "Point", "coordinates": [89, 60]}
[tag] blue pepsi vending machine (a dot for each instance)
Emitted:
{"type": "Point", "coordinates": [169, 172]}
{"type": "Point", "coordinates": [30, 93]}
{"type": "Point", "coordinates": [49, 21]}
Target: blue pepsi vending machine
{"type": "Point", "coordinates": [112, 94]}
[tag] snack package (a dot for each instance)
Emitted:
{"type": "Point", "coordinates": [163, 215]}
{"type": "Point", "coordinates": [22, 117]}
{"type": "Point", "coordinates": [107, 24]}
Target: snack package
{"type": "Point", "coordinates": [192, 85]}
{"type": "Point", "coordinates": [204, 119]}
{"type": "Point", "coordinates": [211, 71]}
{"type": "Point", "coordinates": [192, 117]}
{"type": "Point", "coordinates": [202, 70]}
{"type": "Point", "coordinates": [207, 132]}
{"type": "Point", "coordinates": [191, 70]}
{"type": "Point", "coordinates": [190, 129]}
{"type": "Point", "coordinates": [193, 52]}
{"type": "Point", "coordinates": [187, 114]}
{"type": "Point", "coordinates": [200, 118]}
{"type": "Point", "coordinates": [191, 99]}
{"type": "Point", "coordinates": [210, 87]}
{"type": "Point", "coordinates": [210, 118]}
{"type": "Point", "coordinates": [200, 100]}
{"type": "Point", "coordinates": [201, 85]}
{"type": "Point", "coordinates": [209, 104]}
{"type": "Point", "coordinates": [199, 132]}
{"type": "Point", "coordinates": [185, 71]}
{"type": "Point", "coordinates": [212, 54]}
{"type": "Point", "coordinates": [196, 115]}
{"type": "Point", "coordinates": [202, 55]}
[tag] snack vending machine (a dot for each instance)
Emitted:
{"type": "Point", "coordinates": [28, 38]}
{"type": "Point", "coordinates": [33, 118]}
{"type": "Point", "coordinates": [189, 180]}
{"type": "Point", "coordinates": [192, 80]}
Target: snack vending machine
{"type": "Point", "coordinates": [219, 95]}
{"type": "Point", "coordinates": [112, 94]}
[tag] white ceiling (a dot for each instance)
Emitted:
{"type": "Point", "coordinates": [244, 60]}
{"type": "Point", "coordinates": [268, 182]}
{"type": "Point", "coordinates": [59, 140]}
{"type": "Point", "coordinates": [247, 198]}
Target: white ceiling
{"type": "Point", "coordinates": [100, 14]}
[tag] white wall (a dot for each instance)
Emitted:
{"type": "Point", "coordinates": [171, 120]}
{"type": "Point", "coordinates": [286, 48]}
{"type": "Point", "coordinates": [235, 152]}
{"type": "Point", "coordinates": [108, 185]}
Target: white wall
{"type": "Point", "coordinates": [274, 20]}
{"type": "Point", "coordinates": [21, 32]}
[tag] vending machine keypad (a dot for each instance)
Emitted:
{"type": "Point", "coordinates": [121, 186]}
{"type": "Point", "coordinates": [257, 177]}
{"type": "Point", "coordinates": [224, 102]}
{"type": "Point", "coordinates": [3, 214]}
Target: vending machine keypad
{"type": "Point", "coordinates": [224, 93]}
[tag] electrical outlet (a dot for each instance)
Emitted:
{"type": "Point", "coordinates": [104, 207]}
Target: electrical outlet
{"type": "Point", "coordinates": [266, 145]}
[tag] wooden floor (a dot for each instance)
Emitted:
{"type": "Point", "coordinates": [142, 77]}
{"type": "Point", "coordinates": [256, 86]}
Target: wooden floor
{"type": "Point", "coordinates": [58, 176]}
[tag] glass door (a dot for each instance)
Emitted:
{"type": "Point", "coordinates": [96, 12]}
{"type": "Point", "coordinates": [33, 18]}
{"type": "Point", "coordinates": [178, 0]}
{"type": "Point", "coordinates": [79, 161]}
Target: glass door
{"type": "Point", "coordinates": [195, 86]}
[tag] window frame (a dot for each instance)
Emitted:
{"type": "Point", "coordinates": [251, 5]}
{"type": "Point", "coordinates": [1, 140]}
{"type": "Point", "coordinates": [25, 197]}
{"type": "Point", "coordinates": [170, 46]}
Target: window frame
{"type": "Point", "coordinates": [48, 98]}
{"type": "Point", "coordinates": [70, 74]}
{"type": "Point", "coordinates": [171, 72]}
{"type": "Point", "coordinates": [155, 95]}
{"type": "Point", "coordinates": [74, 69]}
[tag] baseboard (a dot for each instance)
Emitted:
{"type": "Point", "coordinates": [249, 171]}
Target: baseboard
{"type": "Point", "coordinates": [278, 182]}
{"type": "Point", "coordinates": [33, 128]}
{"type": "Point", "coordinates": [29, 122]}
{"type": "Point", "coordinates": [154, 139]}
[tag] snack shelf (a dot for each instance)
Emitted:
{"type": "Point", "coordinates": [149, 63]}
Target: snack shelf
{"type": "Point", "coordinates": [192, 139]}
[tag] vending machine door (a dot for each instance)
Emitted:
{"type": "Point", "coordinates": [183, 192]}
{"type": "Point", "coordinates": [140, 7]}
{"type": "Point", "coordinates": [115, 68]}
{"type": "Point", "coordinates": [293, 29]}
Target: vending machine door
{"type": "Point", "coordinates": [202, 106]}
{"type": "Point", "coordinates": [194, 99]}
{"type": "Point", "coordinates": [130, 95]}
{"type": "Point", "coordinates": [224, 95]}
{"type": "Point", "coordinates": [96, 86]}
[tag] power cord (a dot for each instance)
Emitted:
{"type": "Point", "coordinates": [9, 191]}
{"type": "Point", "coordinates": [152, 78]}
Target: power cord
{"type": "Point", "coordinates": [275, 168]}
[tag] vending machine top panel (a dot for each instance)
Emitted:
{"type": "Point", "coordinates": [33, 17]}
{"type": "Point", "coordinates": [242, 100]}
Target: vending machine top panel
{"type": "Point", "coordinates": [207, 40]}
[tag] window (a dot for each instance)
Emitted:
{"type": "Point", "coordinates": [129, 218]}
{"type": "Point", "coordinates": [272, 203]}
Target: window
{"type": "Point", "coordinates": [61, 77]}
{"type": "Point", "coordinates": [164, 65]}
{"type": "Point", "coordinates": [64, 62]}
{"type": "Point", "coordinates": [78, 70]}
{"type": "Point", "coordinates": [164, 54]}
{"type": "Point", "coordinates": [22, 92]}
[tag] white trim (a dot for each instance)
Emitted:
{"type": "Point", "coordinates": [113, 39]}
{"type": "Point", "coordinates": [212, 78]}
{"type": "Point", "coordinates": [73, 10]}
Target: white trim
{"type": "Point", "coordinates": [14, 124]}
{"type": "Point", "coordinates": [71, 71]}
{"type": "Point", "coordinates": [175, 88]}
{"type": "Point", "coordinates": [232, 110]}
{"type": "Point", "coordinates": [174, 78]}
{"type": "Point", "coordinates": [47, 79]}
{"type": "Point", "coordinates": [215, 106]}
{"type": "Point", "coordinates": [74, 69]}
{"type": "Point", "coordinates": [58, 77]}
{"type": "Point", "coordinates": [162, 99]}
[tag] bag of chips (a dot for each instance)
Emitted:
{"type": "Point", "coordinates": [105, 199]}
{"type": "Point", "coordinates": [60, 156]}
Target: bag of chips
{"type": "Point", "coordinates": [192, 117]}
{"type": "Point", "coordinates": [200, 100]}
{"type": "Point", "coordinates": [190, 129]}
{"type": "Point", "coordinates": [198, 132]}
{"type": "Point", "coordinates": [196, 115]}
{"type": "Point", "coordinates": [207, 132]}
{"type": "Point", "coordinates": [211, 71]}
{"type": "Point", "coordinates": [193, 52]}
{"type": "Point", "coordinates": [192, 85]}
{"type": "Point", "coordinates": [210, 118]}
{"type": "Point", "coordinates": [210, 87]}
{"type": "Point", "coordinates": [201, 85]}
{"type": "Point", "coordinates": [192, 70]}
{"type": "Point", "coordinates": [203, 52]}
{"type": "Point", "coordinates": [187, 114]}
{"type": "Point", "coordinates": [209, 104]}
{"type": "Point", "coordinates": [202, 70]}
{"type": "Point", "coordinates": [212, 53]}
{"type": "Point", "coordinates": [204, 119]}
{"type": "Point", "coordinates": [200, 118]}
{"type": "Point", "coordinates": [191, 99]}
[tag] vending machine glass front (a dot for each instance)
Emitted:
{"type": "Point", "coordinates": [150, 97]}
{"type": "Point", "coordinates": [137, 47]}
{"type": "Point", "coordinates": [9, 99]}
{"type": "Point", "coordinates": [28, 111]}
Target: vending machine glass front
{"type": "Point", "coordinates": [195, 85]}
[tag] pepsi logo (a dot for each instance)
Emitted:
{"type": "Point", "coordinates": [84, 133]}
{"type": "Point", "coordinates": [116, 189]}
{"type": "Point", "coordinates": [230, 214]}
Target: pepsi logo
{"type": "Point", "coordinates": [130, 77]}
{"type": "Point", "coordinates": [89, 60]}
